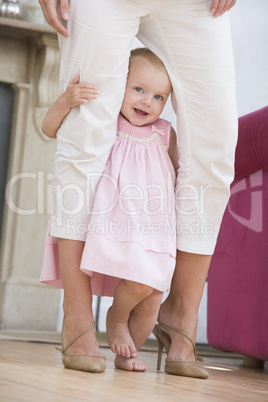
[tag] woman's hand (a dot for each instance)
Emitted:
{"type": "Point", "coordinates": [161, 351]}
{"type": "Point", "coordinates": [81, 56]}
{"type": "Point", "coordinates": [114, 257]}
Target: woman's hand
{"type": "Point", "coordinates": [219, 7]}
{"type": "Point", "coordinates": [78, 94]}
{"type": "Point", "coordinates": [50, 13]}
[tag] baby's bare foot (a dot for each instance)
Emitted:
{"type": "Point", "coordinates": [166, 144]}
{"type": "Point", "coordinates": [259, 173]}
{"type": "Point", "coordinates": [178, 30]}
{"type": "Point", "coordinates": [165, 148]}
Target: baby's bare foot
{"type": "Point", "coordinates": [118, 336]}
{"type": "Point", "coordinates": [129, 364]}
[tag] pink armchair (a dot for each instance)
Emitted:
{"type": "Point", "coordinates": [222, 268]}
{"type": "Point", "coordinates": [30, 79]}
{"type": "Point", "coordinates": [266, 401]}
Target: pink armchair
{"type": "Point", "coordinates": [238, 276]}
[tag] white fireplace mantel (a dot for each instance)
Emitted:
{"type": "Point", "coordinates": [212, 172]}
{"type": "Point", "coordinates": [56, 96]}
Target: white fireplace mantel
{"type": "Point", "coordinates": [29, 62]}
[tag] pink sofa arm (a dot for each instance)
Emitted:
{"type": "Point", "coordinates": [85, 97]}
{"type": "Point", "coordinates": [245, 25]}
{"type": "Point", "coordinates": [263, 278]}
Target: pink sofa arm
{"type": "Point", "coordinates": [237, 301]}
{"type": "Point", "coordinates": [252, 146]}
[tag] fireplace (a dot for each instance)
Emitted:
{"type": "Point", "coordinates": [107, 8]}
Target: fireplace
{"type": "Point", "coordinates": [29, 65]}
{"type": "Point", "coordinates": [6, 110]}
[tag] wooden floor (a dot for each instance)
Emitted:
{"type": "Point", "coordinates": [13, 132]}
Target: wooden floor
{"type": "Point", "coordinates": [31, 371]}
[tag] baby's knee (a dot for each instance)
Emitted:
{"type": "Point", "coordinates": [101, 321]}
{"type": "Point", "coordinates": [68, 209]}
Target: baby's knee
{"type": "Point", "coordinates": [139, 289]}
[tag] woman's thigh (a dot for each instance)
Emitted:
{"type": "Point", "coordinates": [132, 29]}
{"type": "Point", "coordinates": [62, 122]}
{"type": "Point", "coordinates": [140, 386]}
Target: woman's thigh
{"type": "Point", "coordinates": [197, 51]}
{"type": "Point", "coordinates": [101, 35]}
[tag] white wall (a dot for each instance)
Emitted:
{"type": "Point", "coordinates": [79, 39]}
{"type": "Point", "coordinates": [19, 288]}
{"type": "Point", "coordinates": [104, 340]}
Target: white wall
{"type": "Point", "coordinates": [250, 34]}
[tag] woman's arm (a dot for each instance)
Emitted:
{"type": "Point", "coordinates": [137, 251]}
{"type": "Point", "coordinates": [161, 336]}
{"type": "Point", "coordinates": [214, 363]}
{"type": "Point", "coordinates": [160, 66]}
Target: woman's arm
{"type": "Point", "coordinates": [173, 150]}
{"type": "Point", "coordinates": [76, 94]}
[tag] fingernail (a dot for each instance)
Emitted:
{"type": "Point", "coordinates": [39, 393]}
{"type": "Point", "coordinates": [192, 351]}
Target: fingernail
{"type": "Point", "coordinates": [213, 10]}
{"type": "Point", "coordinates": [65, 16]}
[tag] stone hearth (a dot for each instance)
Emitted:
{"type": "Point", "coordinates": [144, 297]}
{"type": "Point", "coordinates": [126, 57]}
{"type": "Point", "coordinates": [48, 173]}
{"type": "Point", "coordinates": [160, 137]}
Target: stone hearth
{"type": "Point", "coordinates": [29, 62]}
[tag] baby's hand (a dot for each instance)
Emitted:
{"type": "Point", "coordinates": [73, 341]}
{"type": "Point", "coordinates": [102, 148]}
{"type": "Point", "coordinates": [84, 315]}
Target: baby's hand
{"type": "Point", "coordinates": [78, 94]}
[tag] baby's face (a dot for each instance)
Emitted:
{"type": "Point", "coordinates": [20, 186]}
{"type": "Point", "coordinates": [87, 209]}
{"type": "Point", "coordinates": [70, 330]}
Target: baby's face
{"type": "Point", "coordinates": [147, 91]}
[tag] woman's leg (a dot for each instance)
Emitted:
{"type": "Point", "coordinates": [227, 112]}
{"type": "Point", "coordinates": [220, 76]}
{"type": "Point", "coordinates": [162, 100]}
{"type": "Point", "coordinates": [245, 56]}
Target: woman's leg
{"type": "Point", "coordinates": [197, 51]}
{"type": "Point", "coordinates": [101, 35]}
{"type": "Point", "coordinates": [98, 48]}
{"type": "Point", "coordinates": [180, 309]}
{"type": "Point", "coordinates": [141, 323]}
{"type": "Point", "coordinates": [127, 296]}
{"type": "Point", "coordinates": [77, 303]}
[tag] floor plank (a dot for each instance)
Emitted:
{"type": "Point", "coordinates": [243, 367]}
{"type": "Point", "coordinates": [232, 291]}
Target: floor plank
{"type": "Point", "coordinates": [31, 371]}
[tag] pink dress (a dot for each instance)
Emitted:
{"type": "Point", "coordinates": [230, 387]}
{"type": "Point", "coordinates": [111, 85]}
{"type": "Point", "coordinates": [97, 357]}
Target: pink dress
{"type": "Point", "coordinates": [131, 232]}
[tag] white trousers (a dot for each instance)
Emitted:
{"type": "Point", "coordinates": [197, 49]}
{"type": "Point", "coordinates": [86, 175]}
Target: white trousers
{"type": "Point", "coordinates": [197, 51]}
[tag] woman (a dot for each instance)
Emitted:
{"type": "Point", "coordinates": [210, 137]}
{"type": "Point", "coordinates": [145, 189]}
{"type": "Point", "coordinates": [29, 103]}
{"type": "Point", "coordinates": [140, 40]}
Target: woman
{"type": "Point", "coordinates": [197, 52]}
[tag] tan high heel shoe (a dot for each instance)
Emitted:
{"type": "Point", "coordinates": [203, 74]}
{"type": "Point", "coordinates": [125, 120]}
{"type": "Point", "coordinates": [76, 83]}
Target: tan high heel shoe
{"type": "Point", "coordinates": [177, 367]}
{"type": "Point", "coordinates": [93, 364]}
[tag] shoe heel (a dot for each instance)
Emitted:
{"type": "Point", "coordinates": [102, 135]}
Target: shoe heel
{"type": "Point", "coordinates": [160, 347]}
{"type": "Point", "coordinates": [160, 352]}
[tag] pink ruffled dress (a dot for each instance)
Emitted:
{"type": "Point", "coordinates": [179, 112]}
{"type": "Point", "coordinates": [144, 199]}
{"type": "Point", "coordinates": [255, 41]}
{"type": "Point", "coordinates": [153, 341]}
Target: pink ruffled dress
{"type": "Point", "coordinates": [131, 232]}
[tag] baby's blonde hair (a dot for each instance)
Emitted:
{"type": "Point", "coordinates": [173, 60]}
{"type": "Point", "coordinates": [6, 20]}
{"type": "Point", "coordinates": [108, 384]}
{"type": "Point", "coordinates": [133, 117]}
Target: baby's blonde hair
{"type": "Point", "coordinates": [146, 54]}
